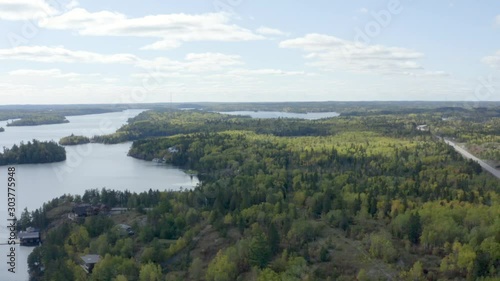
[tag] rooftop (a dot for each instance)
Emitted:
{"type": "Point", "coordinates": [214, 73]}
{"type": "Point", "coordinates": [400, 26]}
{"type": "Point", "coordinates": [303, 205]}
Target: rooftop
{"type": "Point", "coordinates": [28, 235]}
{"type": "Point", "coordinates": [90, 259]}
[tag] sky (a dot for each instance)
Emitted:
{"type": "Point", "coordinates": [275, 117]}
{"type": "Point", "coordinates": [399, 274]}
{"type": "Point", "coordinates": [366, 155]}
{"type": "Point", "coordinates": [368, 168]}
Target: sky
{"type": "Point", "coordinates": [122, 51]}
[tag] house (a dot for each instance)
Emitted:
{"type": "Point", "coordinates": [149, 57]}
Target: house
{"type": "Point", "coordinates": [423, 128]}
{"type": "Point", "coordinates": [30, 237]}
{"type": "Point", "coordinates": [173, 149]}
{"type": "Point", "coordinates": [82, 210]}
{"type": "Point", "coordinates": [89, 261]}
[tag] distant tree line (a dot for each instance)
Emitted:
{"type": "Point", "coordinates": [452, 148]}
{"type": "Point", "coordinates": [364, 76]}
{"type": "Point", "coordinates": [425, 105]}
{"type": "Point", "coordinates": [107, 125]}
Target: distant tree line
{"type": "Point", "coordinates": [36, 120]}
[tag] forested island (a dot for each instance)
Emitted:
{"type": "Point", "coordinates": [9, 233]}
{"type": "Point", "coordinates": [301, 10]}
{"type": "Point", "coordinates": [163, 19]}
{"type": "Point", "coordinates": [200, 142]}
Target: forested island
{"type": "Point", "coordinates": [74, 140]}
{"type": "Point", "coordinates": [369, 195]}
{"type": "Point", "coordinates": [36, 120]}
{"type": "Point", "coordinates": [2, 129]}
{"type": "Point", "coordinates": [33, 152]}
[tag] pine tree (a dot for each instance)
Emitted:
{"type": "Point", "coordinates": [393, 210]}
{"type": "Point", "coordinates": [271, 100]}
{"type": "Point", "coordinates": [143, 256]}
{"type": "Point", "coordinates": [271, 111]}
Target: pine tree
{"type": "Point", "coordinates": [414, 228]}
{"type": "Point", "coordinates": [259, 252]}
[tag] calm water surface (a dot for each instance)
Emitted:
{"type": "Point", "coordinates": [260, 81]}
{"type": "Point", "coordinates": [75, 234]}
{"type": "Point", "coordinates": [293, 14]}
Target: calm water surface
{"type": "Point", "coordinates": [87, 166]}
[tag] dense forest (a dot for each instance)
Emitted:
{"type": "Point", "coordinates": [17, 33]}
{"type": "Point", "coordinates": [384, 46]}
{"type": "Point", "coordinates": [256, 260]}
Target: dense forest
{"type": "Point", "coordinates": [42, 119]}
{"type": "Point", "coordinates": [33, 152]}
{"type": "Point", "coordinates": [74, 140]}
{"type": "Point", "coordinates": [359, 197]}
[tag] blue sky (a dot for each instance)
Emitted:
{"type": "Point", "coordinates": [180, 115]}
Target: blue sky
{"type": "Point", "coordinates": [65, 51]}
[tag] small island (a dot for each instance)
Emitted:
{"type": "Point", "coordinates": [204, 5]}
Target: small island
{"type": "Point", "coordinates": [2, 129]}
{"type": "Point", "coordinates": [36, 120]}
{"type": "Point", "coordinates": [33, 152]}
{"type": "Point", "coordinates": [74, 140]}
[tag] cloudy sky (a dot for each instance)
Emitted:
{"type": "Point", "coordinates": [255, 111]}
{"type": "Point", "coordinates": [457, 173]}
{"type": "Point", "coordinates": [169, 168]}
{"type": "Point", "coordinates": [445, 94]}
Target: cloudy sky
{"type": "Point", "coordinates": [121, 51]}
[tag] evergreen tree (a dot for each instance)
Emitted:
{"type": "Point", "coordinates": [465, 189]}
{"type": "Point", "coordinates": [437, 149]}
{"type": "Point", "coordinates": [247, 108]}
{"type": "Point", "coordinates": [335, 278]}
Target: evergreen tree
{"type": "Point", "coordinates": [414, 228]}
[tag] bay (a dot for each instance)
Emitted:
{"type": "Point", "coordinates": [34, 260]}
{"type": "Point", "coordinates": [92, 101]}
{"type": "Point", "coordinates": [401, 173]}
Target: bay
{"type": "Point", "coordinates": [87, 166]}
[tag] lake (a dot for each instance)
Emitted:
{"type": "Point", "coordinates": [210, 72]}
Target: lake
{"type": "Point", "coordinates": [279, 114]}
{"type": "Point", "coordinates": [87, 166]}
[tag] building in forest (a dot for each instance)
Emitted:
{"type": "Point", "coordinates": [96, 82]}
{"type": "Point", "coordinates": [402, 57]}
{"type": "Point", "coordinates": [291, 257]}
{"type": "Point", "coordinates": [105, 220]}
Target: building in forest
{"type": "Point", "coordinates": [89, 261]}
{"type": "Point", "coordinates": [30, 237]}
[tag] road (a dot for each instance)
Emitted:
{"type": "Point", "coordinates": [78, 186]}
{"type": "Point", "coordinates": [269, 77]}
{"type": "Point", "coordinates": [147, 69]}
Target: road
{"type": "Point", "coordinates": [467, 155]}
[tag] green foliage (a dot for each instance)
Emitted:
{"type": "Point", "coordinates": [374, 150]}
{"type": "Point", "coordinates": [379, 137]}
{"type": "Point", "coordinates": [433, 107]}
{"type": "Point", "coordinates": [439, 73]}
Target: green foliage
{"type": "Point", "coordinates": [111, 266]}
{"type": "Point", "coordinates": [259, 252]}
{"type": "Point", "coordinates": [33, 153]}
{"type": "Point", "coordinates": [268, 275]}
{"type": "Point", "coordinates": [74, 140]}
{"type": "Point", "coordinates": [269, 185]}
{"type": "Point", "coordinates": [221, 269]}
{"type": "Point", "coordinates": [416, 273]}
{"type": "Point", "coordinates": [324, 256]}
{"type": "Point", "coordinates": [382, 247]}
{"type": "Point", "coordinates": [196, 269]}
{"type": "Point", "coordinates": [39, 119]}
{"type": "Point", "coordinates": [414, 228]}
{"type": "Point", "coordinates": [150, 272]}
{"type": "Point", "coordinates": [362, 275]}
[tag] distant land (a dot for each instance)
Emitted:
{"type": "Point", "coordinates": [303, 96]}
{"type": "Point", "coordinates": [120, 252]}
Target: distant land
{"type": "Point", "coordinates": [39, 119]}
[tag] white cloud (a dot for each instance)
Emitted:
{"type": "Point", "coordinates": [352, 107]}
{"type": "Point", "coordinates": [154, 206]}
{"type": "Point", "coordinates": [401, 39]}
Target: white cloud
{"type": "Point", "coordinates": [193, 63]}
{"type": "Point", "coordinates": [54, 73]}
{"type": "Point", "coordinates": [428, 73]}
{"type": "Point", "coordinates": [72, 4]}
{"type": "Point", "coordinates": [56, 76]}
{"type": "Point", "coordinates": [497, 20]}
{"type": "Point", "coordinates": [171, 29]}
{"type": "Point", "coordinates": [82, 20]}
{"type": "Point", "coordinates": [493, 60]}
{"type": "Point", "coordinates": [266, 71]}
{"type": "Point", "coordinates": [271, 31]}
{"type": "Point", "coordinates": [60, 54]}
{"type": "Point", "coordinates": [329, 52]}
{"type": "Point", "coordinates": [25, 9]}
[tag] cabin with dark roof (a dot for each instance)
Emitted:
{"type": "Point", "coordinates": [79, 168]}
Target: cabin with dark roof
{"type": "Point", "coordinates": [31, 237]}
{"type": "Point", "coordinates": [85, 210]}
{"type": "Point", "coordinates": [82, 210]}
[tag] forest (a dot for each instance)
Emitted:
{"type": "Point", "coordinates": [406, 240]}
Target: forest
{"type": "Point", "coordinates": [356, 197]}
{"type": "Point", "coordinates": [33, 152]}
{"type": "Point", "coordinates": [74, 140]}
{"type": "Point", "coordinates": [39, 119]}
{"type": "Point", "coordinates": [2, 129]}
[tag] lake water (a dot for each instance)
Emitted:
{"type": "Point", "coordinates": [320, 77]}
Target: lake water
{"type": "Point", "coordinates": [87, 166]}
{"type": "Point", "coordinates": [278, 114]}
